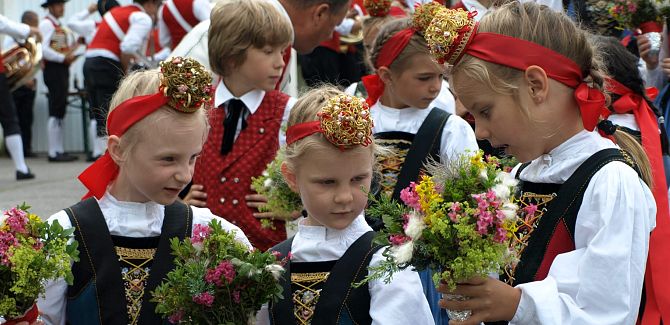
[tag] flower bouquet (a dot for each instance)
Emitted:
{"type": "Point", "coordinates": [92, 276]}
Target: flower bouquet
{"type": "Point", "coordinates": [217, 280]}
{"type": "Point", "coordinates": [459, 222]}
{"type": "Point", "coordinates": [31, 252]}
{"type": "Point", "coordinates": [642, 14]}
{"type": "Point", "coordinates": [282, 201]}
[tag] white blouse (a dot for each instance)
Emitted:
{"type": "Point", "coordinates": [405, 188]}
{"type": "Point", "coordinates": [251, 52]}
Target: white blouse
{"type": "Point", "coordinates": [444, 100]}
{"type": "Point", "coordinates": [400, 302]}
{"type": "Point", "coordinates": [457, 135]}
{"type": "Point", "coordinates": [129, 219]}
{"type": "Point", "coordinates": [600, 282]}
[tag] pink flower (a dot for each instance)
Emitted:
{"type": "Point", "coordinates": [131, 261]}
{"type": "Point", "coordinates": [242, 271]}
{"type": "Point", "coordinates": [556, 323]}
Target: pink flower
{"type": "Point", "coordinates": [397, 240]}
{"type": "Point", "coordinates": [501, 235]}
{"type": "Point", "coordinates": [410, 197]}
{"type": "Point", "coordinates": [17, 220]}
{"type": "Point", "coordinates": [276, 254]}
{"type": "Point", "coordinates": [236, 296]}
{"type": "Point", "coordinates": [200, 233]}
{"type": "Point", "coordinates": [225, 269]}
{"type": "Point", "coordinates": [176, 317]}
{"type": "Point", "coordinates": [530, 210]}
{"type": "Point", "coordinates": [204, 298]}
{"type": "Point", "coordinates": [7, 241]}
{"type": "Point", "coordinates": [454, 209]}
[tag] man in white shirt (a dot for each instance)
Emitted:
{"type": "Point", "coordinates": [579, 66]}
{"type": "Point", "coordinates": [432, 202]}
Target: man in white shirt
{"type": "Point", "coordinates": [8, 118]}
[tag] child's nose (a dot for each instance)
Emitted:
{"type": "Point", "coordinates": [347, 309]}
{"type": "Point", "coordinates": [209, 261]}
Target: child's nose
{"type": "Point", "coordinates": [481, 132]}
{"type": "Point", "coordinates": [344, 195]}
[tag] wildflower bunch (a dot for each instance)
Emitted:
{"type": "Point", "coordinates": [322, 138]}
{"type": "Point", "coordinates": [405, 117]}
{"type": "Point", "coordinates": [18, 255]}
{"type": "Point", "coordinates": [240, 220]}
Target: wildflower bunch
{"type": "Point", "coordinates": [282, 201]}
{"type": "Point", "coordinates": [459, 222]}
{"type": "Point", "coordinates": [217, 280]}
{"type": "Point", "coordinates": [31, 252]}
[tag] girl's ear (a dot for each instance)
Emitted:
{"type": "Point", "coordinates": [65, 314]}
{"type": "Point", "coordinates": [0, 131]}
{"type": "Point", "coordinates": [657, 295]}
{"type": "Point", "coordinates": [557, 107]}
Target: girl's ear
{"type": "Point", "coordinates": [538, 83]}
{"type": "Point", "coordinates": [384, 74]}
{"type": "Point", "coordinates": [115, 150]}
{"type": "Point", "coordinates": [289, 176]}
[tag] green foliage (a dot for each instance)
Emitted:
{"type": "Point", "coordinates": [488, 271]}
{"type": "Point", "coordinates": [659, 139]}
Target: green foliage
{"type": "Point", "coordinates": [282, 201]}
{"type": "Point", "coordinates": [255, 280]}
{"type": "Point", "coordinates": [43, 252]}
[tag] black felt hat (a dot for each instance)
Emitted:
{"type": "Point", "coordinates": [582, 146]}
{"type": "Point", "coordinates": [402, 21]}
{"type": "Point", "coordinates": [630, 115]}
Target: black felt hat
{"type": "Point", "coordinates": [50, 2]}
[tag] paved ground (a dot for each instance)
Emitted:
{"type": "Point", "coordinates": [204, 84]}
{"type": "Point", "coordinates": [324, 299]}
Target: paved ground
{"type": "Point", "coordinates": [55, 186]}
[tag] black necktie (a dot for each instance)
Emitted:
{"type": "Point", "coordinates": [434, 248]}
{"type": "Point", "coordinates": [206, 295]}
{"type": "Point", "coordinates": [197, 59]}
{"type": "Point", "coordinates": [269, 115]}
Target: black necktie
{"type": "Point", "coordinates": [235, 109]}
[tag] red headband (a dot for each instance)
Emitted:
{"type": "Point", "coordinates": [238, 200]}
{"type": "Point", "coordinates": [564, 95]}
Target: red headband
{"type": "Point", "coordinates": [185, 86]}
{"type": "Point", "coordinates": [345, 121]}
{"type": "Point", "coordinates": [453, 33]}
{"type": "Point", "coordinates": [387, 54]}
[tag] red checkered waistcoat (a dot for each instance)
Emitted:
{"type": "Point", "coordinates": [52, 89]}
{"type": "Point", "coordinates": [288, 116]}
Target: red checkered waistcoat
{"type": "Point", "coordinates": [227, 179]}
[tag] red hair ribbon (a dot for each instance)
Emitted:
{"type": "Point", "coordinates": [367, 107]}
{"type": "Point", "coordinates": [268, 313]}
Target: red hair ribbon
{"type": "Point", "coordinates": [657, 286]}
{"type": "Point", "coordinates": [302, 130]}
{"type": "Point", "coordinates": [101, 173]}
{"type": "Point", "coordinates": [521, 54]}
{"type": "Point", "coordinates": [387, 54]}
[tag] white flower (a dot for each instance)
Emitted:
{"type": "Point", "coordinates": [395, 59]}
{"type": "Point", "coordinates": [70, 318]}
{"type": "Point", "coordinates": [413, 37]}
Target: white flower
{"type": "Point", "coordinates": [275, 269]}
{"type": "Point", "coordinates": [253, 272]}
{"type": "Point", "coordinates": [3, 217]}
{"type": "Point", "coordinates": [267, 182]}
{"type": "Point", "coordinates": [483, 174]}
{"type": "Point", "coordinates": [415, 226]}
{"type": "Point", "coordinates": [506, 183]}
{"type": "Point", "coordinates": [509, 210]}
{"type": "Point", "coordinates": [198, 247]}
{"type": "Point", "coordinates": [403, 253]}
{"type": "Point", "coordinates": [265, 173]}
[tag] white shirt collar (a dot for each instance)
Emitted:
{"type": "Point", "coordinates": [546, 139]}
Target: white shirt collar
{"type": "Point", "coordinates": [252, 100]}
{"type": "Point", "coordinates": [561, 162]}
{"type": "Point", "coordinates": [357, 227]}
{"type": "Point", "coordinates": [132, 219]}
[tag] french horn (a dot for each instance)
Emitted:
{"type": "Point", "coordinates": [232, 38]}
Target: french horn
{"type": "Point", "coordinates": [22, 62]}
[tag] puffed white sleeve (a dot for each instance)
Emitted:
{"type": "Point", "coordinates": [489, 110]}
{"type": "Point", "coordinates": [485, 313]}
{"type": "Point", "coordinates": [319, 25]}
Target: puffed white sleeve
{"type": "Point", "coordinates": [203, 216]}
{"type": "Point", "coordinates": [81, 23]}
{"type": "Point", "coordinates": [400, 302]}
{"type": "Point", "coordinates": [138, 33]}
{"type": "Point", "coordinates": [600, 282]}
{"type": "Point", "coordinates": [202, 9]}
{"type": "Point", "coordinates": [13, 29]}
{"type": "Point", "coordinates": [52, 304]}
{"type": "Point", "coordinates": [457, 138]}
{"type": "Point", "coordinates": [164, 37]}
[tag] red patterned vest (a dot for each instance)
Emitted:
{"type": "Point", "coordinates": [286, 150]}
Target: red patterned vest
{"type": "Point", "coordinates": [112, 29]}
{"type": "Point", "coordinates": [179, 26]}
{"type": "Point", "coordinates": [227, 179]}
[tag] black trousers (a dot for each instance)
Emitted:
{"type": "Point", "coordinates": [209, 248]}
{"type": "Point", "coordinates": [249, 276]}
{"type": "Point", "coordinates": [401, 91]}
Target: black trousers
{"type": "Point", "coordinates": [8, 118]}
{"type": "Point", "coordinates": [24, 99]}
{"type": "Point", "coordinates": [102, 77]}
{"type": "Point", "coordinates": [324, 65]}
{"type": "Point", "coordinates": [57, 79]}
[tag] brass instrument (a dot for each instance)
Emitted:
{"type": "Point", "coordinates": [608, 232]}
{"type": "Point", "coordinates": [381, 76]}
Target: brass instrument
{"type": "Point", "coordinates": [22, 62]}
{"type": "Point", "coordinates": [350, 39]}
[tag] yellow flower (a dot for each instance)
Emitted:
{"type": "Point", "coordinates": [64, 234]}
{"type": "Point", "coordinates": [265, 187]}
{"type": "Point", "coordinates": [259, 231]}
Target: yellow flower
{"type": "Point", "coordinates": [478, 160]}
{"type": "Point", "coordinates": [427, 195]}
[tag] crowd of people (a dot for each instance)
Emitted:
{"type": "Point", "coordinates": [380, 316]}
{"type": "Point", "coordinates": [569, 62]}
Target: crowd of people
{"type": "Point", "coordinates": [512, 78]}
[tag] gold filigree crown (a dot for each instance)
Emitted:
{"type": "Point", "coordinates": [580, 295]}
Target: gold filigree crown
{"type": "Point", "coordinates": [186, 83]}
{"type": "Point", "coordinates": [377, 8]}
{"type": "Point", "coordinates": [449, 32]}
{"type": "Point", "coordinates": [424, 14]}
{"type": "Point", "coordinates": [346, 121]}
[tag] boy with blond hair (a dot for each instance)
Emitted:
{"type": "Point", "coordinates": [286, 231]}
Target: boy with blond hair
{"type": "Point", "coordinates": [247, 40]}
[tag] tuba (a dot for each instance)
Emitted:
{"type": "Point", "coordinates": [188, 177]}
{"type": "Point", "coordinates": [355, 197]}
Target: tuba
{"type": "Point", "coordinates": [22, 62]}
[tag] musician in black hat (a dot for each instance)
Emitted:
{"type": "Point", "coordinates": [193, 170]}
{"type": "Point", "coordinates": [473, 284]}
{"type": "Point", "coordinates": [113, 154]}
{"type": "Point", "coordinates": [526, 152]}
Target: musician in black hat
{"type": "Point", "coordinates": [58, 52]}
